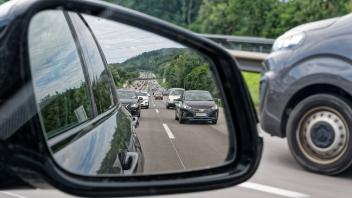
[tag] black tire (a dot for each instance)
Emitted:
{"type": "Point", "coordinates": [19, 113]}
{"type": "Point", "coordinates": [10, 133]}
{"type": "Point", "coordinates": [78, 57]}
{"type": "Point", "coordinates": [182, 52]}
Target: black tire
{"type": "Point", "coordinates": [147, 107]}
{"type": "Point", "coordinates": [176, 117]}
{"type": "Point", "coordinates": [214, 122]}
{"type": "Point", "coordinates": [305, 128]}
{"type": "Point", "coordinates": [181, 120]}
{"type": "Point", "coordinates": [167, 107]}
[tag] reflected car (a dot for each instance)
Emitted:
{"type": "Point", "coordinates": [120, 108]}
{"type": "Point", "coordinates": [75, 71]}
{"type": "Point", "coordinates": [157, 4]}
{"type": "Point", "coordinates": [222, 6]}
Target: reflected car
{"type": "Point", "coordinates": [174, 93]}
{"type": "Point", "coordinates": [158, 96]}
{"type": "Point", "coordinates": [130, 101]}
{"type": "Point", "coordinates": [145, 99]}
{"type": "Point", "coordinates": [306, 94]}
{"type": "Point", "coordinates": [196, 105]}
{"type": "Point", "coordinates": [165, 93]}
{"type": "Point", "coordinates": [69, 110]}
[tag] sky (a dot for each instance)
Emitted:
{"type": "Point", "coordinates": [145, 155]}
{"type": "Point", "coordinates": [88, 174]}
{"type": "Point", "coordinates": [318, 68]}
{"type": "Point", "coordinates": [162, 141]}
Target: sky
{"type": "Point", "coordinates": [121, 42]}
{"type": "Point", "coordinates": [53, 53]}
{"type": "Point", "coordinates": [54, 60]}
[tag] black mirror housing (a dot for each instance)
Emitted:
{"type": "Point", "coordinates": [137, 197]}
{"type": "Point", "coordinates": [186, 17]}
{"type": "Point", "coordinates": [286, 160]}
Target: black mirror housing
{"type": "Point", "coordinates": [23, 146]}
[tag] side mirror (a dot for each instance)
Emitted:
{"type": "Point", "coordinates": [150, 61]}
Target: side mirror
{"type": "Point", "coordinates": [140, 99]}
{"type": "Point", "coordinates": [74, 135]}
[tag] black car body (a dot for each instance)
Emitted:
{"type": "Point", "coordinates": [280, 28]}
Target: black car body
{"type": "Point", "coordinates": [310, 67]}
{"type": "Point", "coordinates": [129, 99]}
{"type": "Point", "coordinates": [196, 105]}
{"type": "Point", "coordinates": [80, 136]}
{"type": "Point", "coordinates": [158, 96]}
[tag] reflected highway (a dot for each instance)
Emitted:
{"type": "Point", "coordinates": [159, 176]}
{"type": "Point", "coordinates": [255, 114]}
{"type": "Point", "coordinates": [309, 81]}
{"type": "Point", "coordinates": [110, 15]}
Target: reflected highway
{"type": "Point", "coordinates": [169, 146]}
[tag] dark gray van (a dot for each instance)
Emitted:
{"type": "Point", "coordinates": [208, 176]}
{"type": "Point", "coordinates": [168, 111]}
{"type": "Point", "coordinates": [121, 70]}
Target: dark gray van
{"type": "Point", "coordinates": [306, 94]}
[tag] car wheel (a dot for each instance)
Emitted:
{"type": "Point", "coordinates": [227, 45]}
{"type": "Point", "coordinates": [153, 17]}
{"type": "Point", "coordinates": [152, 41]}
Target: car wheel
{"type": "Point", "coordinates": [167, 107]}
{"type": "Point", "coordinates": [180, 119]}
{"type": "Point", "coordinates": [176, 118]}
{"type": "Point", "coordinates": [147, 107]}
{"type": "Point", "coordinates": [214, 122]}
{"type": "Point", "coordinates": [319, 134]}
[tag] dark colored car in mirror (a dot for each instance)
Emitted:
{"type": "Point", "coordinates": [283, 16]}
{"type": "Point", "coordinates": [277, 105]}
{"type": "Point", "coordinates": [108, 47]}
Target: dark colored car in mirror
{"type": "Point", "coordinates": [129, 99]}
{"type": "Point", "coordinates": [196, 105]}
{"type": "Point", "coordinates": [306, 94]}
{"type": "Point", "coordinates": [77, 93]}
{"type": "Point", "coordinates": [158, 96]}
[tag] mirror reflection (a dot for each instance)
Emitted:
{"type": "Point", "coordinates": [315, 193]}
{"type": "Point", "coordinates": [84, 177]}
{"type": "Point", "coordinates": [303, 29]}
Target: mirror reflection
{"type": "Point", "coordinates": [115, 99]}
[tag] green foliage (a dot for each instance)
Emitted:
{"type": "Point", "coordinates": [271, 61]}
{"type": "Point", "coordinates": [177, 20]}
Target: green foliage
{"type": "Point", "coordinates": [264, 18]}
{"type": "Point", "coordinates": [296, 12]}
{"type": "Point", "coordinates": [201, 78]}
{"type": "Point", "coordinates": [149, 61]}
{"type": "Point", "coordinates": [121, 76]}
{"type": "Point", "coordinates": [252, 81]}
{"type": "Point", "coordinates": [180, 67]}
{"type": "Point", "coordinates": [181, 12]}
{"type": "Point", "coordinates": [57, 110]}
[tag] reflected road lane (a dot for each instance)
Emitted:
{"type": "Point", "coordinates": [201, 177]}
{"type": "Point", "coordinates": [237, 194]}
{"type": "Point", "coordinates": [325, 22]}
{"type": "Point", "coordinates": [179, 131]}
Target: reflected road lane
{"type": "Point", "coordinates": [169, 146]}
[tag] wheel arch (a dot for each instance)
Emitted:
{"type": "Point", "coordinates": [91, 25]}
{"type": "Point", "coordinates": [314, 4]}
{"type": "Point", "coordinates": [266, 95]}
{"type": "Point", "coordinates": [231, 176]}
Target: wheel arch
{"type": "Point", "coordinates": [319, 88]}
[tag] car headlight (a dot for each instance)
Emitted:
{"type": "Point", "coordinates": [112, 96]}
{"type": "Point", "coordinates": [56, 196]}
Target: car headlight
{"type": "Point", "coordinates": [286, 42]}
{"type": "Point", "coordinates": [134, 105]}
{"type": "Point", "coordinates": [215, 107]}
{"type": "Point", "coordinates": [186, 106]}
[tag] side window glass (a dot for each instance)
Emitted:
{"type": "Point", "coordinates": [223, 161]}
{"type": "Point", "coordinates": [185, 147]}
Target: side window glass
{"type": "Point", "coordinates": [59, 84]}
{"type": "Point", "coordinates": [98, 75]}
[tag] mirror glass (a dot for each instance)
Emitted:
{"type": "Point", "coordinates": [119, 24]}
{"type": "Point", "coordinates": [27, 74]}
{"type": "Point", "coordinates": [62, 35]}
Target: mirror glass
{"type": "Point", "coordinates": [117, 100]}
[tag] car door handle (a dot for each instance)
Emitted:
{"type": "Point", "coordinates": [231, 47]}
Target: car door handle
{"type": "Point", "coordinates": [131, 162]}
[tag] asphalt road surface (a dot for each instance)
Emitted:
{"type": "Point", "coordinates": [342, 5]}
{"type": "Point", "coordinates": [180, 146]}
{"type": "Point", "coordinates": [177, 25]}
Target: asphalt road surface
{"type": "Point", "coordinates": [170, 146]}
{"type": "Point", "coordinates": [189, 146]}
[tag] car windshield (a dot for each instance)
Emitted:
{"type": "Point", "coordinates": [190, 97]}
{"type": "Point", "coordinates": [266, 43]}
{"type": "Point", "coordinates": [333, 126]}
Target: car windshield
{"type": "Point", "coordinates": [127, 94]}
{"type": "Point", "coordinates": [176, 92]}
{"type": "Point", "coordinates": [198, 96]}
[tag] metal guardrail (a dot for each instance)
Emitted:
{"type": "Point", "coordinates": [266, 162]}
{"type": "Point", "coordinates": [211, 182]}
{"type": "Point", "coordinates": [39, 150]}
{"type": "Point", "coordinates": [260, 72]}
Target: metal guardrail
{"type": "Point", "coordinates": [249, 61]}
{"type": "Point", "coordinates": [249, 52]}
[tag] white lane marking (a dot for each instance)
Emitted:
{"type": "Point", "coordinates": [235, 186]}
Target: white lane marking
{"type": "Point", "coordinates": [157, 110]}
{"type": "Point", "coordinates": [272, 190]}
{"type": "Point", "coordinates": [12, 194]}
{"type": "Point", "coordinates": [168, 131]}
{"type": "Point", "coordinates": [171, 136]}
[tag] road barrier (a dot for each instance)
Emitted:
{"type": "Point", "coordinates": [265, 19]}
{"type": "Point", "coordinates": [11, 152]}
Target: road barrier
{"type": "Point", "coordinates": [249, 52]}
{"type": "Point", "coordinates": [249, 61]}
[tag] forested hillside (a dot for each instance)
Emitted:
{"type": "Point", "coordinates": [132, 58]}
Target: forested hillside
{"type": "Point", "coordinates": [263, 18]}
{"type": "Point", "coordinates": [180, 67]}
